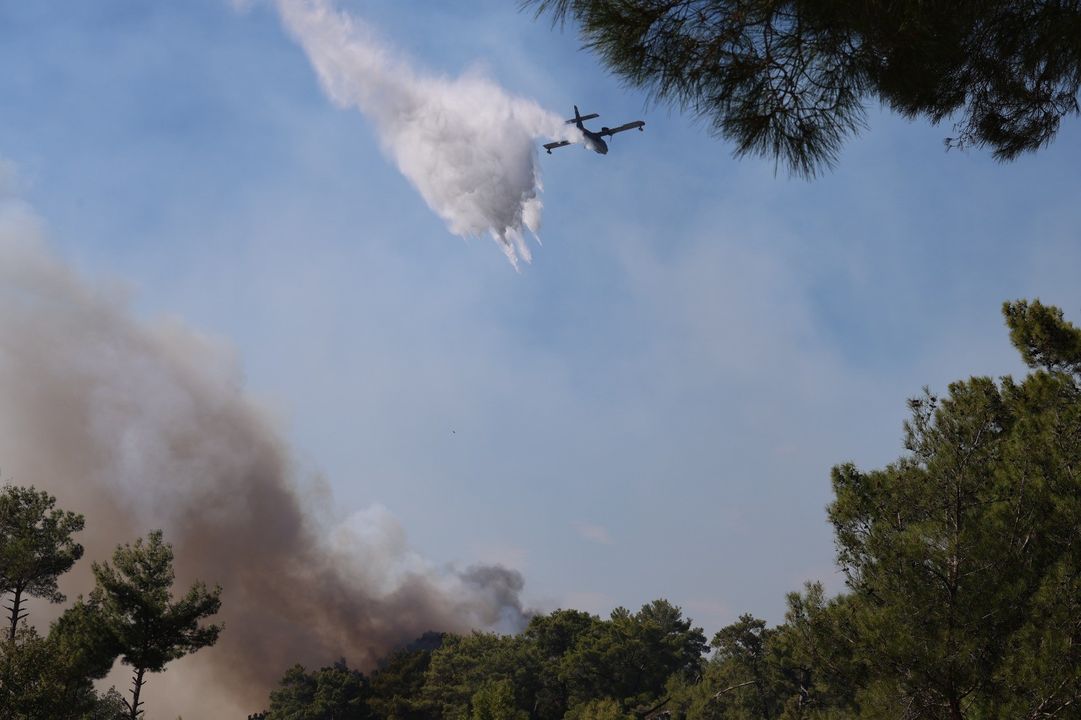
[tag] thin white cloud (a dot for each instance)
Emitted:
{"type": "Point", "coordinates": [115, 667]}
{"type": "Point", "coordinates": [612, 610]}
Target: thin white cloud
{"type": "Point", "coordinates": [593, 533]}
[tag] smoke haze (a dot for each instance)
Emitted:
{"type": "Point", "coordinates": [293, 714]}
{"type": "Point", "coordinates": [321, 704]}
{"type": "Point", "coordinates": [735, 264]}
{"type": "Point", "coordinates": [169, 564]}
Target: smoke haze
{"type": "Point", "coordinates": [143, 425]}
{"type": "Point", "coordinates": [466, 144]}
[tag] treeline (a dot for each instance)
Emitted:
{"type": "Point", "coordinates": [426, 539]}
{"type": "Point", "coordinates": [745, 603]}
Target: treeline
{"type": "Point", "coordinates": [963, 600]}
{"type": "Point", "coordinates": [130, 614]}
{"type": "Point", "coordinates": [568, 664]}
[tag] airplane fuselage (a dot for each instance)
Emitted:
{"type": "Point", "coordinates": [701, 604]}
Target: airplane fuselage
{"type": "Point", "coordinates": [594, 141]}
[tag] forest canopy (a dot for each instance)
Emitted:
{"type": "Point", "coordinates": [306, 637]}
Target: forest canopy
{"type": "Point", "coordinates": [963, 570]}
{"type": "Point", "coordinates": [962, 561]}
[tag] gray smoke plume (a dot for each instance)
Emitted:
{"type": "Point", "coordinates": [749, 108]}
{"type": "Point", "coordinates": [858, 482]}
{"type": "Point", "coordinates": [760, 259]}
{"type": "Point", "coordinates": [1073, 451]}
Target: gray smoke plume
{"type": "Point", "coordinates": [142, 425]}
{"type": "Point", "coordinates": [467, 145]}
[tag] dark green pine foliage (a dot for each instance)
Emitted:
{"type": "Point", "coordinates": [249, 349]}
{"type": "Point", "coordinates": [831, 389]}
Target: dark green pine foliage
{"type": "Point", "coordinates": [1044, 338]}
{"type": "Point", "coordinates": [964, 555]}
{"type": "Point", "coordinates": [744, 645]}
{"type": "Point", "coordinates": [552, 636]}
{"type": "Point", "coordinates": [43, 679]}
{"type": "Point", "coordinates": [800, 670]}
{"type": "Point", "coordinates": [790, 79]}
{"type": "Point", "coordinates": [36, 547]}
{"type": "Point", "coordinates": [133, 598]}
{"type": "Point", "coordinates": [396, 687]}
{"type": "Point", "coordinates": [466, 664]}
{"type": "Point", "coordinates": [331, 693]}
{"type": "Point", "coordinates": [1041, 674]}
{"type": "Point", "coordinates": [48, 676]}
{"type": "Point", "coordinates": [631, 657]}
{"type": "Point", "coordinates": [84, 640]}
{"type": "Point", "coordinates": [495, 700]}
{"type": "Point", "coordinates": [564, 664]}
{"type": "Point", "coordinates": [602, 709]}
{"type": "Point", "coordinates": [818, 674]}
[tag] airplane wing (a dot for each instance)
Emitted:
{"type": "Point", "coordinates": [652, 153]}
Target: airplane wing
{"type": "Point", "coordinates": [629, 126]}
{"type": "Point", "coordinates": [553, 145]}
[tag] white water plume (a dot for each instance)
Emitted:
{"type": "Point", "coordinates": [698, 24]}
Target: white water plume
{"type": "Point", "coordinates": [466, 144]}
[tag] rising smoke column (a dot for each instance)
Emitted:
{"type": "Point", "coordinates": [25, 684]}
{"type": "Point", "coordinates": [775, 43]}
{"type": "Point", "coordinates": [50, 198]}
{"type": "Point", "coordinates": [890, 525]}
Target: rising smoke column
{"type": "Point", "coordinates": [466, 144]}
{"type": "Point", "coordinates": [144, 425]}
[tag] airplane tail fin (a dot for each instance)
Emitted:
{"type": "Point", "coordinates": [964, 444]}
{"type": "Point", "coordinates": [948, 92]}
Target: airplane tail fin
{"type": "Point", "coordinates": [579, 118]}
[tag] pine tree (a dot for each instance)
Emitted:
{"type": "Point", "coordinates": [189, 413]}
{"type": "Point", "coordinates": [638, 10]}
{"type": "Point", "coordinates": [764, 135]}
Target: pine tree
{"type": "Point", "coordinates": [964, 556]}
{"type": "Point", "coordinates": [36, 547]}
{"type": "Point", "coordinates": [150, 629]}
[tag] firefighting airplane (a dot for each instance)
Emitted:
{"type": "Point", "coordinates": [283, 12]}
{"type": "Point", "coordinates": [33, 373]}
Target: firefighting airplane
{"type": "Point", "coordinates": [593, 140]}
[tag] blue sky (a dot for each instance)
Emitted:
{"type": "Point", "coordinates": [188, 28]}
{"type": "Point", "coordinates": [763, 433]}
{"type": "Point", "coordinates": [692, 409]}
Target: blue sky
{"type": "Point", "coordinates": [649, 409]}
